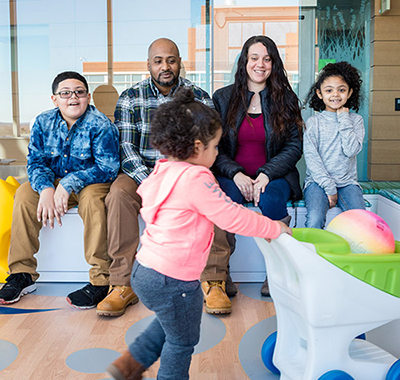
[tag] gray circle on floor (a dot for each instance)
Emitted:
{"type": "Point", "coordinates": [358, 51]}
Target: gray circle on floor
{"type": "Point", "coordinates": [91, 360]}
{"type": "Point", "coordinates": [212, 332]}
{"type": "Point", "coordinates": [8, 353]}
{"type": "Point", "coordinates": [252, 290]}
{"type": "Point", "coordinates": [250, 350]}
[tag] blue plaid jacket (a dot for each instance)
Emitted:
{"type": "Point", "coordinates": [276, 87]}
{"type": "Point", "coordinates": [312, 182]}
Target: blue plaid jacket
{"type": "Point", "coordinates": [133, 114]}
{"type": "Point", "coordinates": [87, 153]}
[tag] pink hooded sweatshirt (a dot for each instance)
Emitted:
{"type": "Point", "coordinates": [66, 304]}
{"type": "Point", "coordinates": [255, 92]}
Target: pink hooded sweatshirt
{"type": "Point", "coordinates": [181, 203]}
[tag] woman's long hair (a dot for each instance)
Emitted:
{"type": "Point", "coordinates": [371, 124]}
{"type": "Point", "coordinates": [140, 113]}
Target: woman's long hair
{"type": "Point", "coordinates": [284, 104]}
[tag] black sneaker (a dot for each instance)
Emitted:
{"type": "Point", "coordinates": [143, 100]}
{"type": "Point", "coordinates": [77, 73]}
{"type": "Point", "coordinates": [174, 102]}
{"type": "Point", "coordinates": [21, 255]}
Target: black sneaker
{"type": "Point", "coordinates": [88, 297]}
{"type": "Point", "coordinates": [230, 287]}
{"type": "Point", "coordinates": [17, 285]}
{"type": "Point", "coordinates": [265, 288]}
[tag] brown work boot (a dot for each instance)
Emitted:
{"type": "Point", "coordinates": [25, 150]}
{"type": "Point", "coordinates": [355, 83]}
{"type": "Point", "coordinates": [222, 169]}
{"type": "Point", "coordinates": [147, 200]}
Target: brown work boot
{"type": "Point", "coordinates": [117, 300]}
{"type": "Point", "coordinates": [217, 302]}
{"type": "Point", "coordinates": [126, 368]}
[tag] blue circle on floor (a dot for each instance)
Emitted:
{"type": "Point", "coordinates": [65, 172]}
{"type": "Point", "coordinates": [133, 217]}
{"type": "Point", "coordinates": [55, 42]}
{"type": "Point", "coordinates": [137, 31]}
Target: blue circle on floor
{"type": "Point", "coordinates": [145, 378]}
{"type": "Point", "coordinates": [8, 353]}
{"type": "Point", "coordinates": [91, 360]}
{"type": "Point", "coordinates": [57, 289]}
{"type": "Point", "coordinates": [212, 332]}
{"type": "Point", "coordinates": [252, 290]}
{"type": "Point", "coordinates": [250, 350]}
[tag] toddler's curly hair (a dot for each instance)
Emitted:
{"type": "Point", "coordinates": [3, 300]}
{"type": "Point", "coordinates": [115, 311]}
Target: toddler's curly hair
{"type": "Point", "coordinates": [179, 123]}
{"type": "Point", "coordinates": [343, 70]}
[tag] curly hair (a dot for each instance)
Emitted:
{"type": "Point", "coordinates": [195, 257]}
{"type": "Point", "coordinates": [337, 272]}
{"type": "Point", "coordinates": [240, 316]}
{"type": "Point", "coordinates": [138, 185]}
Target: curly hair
{"type": "Point", "coordinates": [345, 71]}
{"type": "Point", "coordinates": [284, 104]}
{"type": "Point", "coordinates": [179, 123]}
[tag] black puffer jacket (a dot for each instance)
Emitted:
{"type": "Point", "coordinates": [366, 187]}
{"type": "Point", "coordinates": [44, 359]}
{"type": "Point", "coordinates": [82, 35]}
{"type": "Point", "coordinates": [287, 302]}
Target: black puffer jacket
{"type": "Point", "coordinates": [281, 156]}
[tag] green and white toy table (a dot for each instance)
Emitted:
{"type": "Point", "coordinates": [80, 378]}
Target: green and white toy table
{"type": "Point", "coordinates": [325, 296]}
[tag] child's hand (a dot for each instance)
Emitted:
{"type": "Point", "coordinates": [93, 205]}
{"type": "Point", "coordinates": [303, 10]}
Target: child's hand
{"type": "Point", "coordinates": [285, 229]}
{"type": "Point", "coordinates": [61, 197]}
{"type": "Point", "coordinates": [46, 210]}
{"type": "Point", "coordinates": [342, 110]}
{"type": "Point", "coordinates": [332, 200]}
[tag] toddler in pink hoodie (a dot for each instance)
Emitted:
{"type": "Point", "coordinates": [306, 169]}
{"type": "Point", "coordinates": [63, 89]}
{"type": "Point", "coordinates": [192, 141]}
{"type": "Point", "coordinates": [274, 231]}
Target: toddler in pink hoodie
{"type": "Point", "coordinates": [181, 204]}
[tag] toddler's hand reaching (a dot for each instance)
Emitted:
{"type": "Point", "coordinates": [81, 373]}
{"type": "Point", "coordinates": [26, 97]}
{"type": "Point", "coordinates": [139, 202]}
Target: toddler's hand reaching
{"type": "Point", "coordinates": [284, 230]}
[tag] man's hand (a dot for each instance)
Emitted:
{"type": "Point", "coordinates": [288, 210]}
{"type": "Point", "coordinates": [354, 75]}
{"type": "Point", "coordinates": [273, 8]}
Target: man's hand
{"type": "Point", "coordinates": [46, 210]}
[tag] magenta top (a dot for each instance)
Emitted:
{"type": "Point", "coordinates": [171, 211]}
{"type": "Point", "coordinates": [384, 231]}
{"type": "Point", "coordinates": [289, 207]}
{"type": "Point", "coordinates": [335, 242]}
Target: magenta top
{"type": "Point", "coordinates": [251, 153]}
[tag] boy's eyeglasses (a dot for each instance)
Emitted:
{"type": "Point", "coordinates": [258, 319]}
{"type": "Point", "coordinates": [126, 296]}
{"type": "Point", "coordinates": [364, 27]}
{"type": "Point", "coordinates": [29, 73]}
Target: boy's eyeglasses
{"type": "Point", "coordinates": [68, 94]}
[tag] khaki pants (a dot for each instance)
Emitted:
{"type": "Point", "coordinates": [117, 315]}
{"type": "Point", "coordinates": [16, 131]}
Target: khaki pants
{"type": "Point", "coordinates": [123, 207]}
{"type": "Point", "coordinates": [25, 230]}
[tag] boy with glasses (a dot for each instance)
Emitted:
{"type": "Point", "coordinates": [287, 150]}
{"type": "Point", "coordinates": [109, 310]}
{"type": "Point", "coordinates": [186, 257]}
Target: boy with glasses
{"type": "Point", "coordinates": [73, 158]}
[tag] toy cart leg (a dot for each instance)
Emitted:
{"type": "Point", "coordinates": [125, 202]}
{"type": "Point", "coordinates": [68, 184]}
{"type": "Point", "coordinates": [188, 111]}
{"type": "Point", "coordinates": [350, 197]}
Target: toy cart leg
{"type": "Point", "coordinates": [394, 371]}
{"type": "Point", "coordinates": [290, 350]}
{"type": "Point", "coordinates": [325, 343]}
{"type": "Point", "coordinates": [336, 375]}
{"type": "Point", "coordinates": [267, 353]}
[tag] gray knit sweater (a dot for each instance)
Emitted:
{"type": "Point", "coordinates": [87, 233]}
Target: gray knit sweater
{"type": "Point", "coordinates": [331, 145]}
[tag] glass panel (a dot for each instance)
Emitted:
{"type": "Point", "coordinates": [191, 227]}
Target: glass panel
{"type": "Point", "coordinates": [55, 36]}
{"type": "Point", "coordinates": [236, 21]}
{"type": "Point", "coordinates": [235, 34]}
{"type": "Point", "coordinates": [135, 27]}
{"type": "Point", "coordinates": [343, 35]}
{"type": "Point", "coordinates": [5, 72]}
{"type": "Point", "coordinates": [251, 29]}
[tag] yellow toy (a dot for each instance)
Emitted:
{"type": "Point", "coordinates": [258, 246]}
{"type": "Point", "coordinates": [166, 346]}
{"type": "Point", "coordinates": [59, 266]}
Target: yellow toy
{"type": "Point", "coordinates": [7, 192]}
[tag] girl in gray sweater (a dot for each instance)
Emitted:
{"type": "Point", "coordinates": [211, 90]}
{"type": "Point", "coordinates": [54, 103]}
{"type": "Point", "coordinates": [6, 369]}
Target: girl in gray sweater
{"type": "Point", "coordinates": [332, 140]}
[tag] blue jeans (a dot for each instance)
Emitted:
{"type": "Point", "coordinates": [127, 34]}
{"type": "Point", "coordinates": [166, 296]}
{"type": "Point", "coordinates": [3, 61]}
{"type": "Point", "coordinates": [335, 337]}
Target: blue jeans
{"type": "Point", "coordinates": [349, 197]}
{"type": "Point", "coordinates": [272, 201]}
{"type": "Point", "coordinates": [175, 331]}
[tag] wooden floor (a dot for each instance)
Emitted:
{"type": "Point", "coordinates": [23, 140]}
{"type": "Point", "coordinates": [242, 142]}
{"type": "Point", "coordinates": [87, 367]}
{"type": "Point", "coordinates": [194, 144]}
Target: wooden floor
{"type": "Point", "coordinates": [45, 339]}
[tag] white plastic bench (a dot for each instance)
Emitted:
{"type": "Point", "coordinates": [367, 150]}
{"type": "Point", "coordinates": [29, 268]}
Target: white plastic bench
{"type": "Point", "coordinates": [61, 255]}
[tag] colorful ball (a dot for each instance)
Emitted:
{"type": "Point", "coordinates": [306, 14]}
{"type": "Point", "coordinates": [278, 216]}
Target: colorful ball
{"type": "Point", "coordinates": [365, 231]}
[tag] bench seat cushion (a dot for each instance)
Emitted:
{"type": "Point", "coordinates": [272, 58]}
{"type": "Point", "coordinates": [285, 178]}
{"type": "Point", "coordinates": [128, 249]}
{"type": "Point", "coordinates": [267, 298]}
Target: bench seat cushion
{"type": "Point", "coordinates": [373, 187]}
{"type": "Point", "coordinates": [392, 194]}
{"type": "Point", "coordinates": [300, 203]}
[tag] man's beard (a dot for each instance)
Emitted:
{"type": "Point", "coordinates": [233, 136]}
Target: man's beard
{"type": "Point", "coordinates": [163, 83]}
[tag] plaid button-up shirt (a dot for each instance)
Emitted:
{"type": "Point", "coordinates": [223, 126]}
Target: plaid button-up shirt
{"type": "Point", "coordinates": [133, 114]}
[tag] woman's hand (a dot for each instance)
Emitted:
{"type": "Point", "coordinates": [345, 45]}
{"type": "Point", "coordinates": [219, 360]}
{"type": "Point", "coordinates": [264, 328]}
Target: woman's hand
{"type": "Point", "coordinates": [46, 210]}
{"type": "Point", "coordinates": [245, 185]}
{"type": "Point", "coordinates": [332, 200]}
{"type": "Point", "coordinates": [260, 183]}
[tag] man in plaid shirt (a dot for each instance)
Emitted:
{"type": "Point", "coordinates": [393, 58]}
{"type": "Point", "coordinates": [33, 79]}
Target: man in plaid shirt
{"type": "Point", "coordinates": [133, 114]}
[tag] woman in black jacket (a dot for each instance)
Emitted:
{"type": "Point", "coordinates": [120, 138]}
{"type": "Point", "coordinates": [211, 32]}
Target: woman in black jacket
{"type": "Point", "coordinates": [262, 139]}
